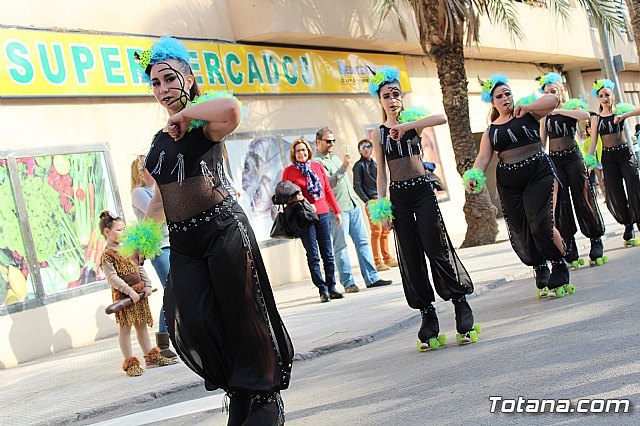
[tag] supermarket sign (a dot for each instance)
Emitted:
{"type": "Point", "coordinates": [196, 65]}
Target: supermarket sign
{"type": "Point", "coordinates": [43, 63]}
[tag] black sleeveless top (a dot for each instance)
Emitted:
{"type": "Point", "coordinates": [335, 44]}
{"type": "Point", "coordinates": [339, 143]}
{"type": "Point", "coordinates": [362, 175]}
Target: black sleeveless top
{"type": "Point", "coordinates": [515, 133]}
{"type": "Point", "coordinates": [560, 126]}
{"type": "Point", "coordinates": [407, 146]}
{"type": "Point", "coordinates": [189, 173]}
{"type": "Point", "coordinates": [607, 127]}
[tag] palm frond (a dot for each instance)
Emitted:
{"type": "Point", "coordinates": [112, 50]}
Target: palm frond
{"type": "Point", "coordinates": [503, 12]}
{"type": "Point", "coordinates": [384, 7]}
{"type": "Point", "coordinates": [560, 9]}
{"type": "Point", "coordinates": [605, 14]}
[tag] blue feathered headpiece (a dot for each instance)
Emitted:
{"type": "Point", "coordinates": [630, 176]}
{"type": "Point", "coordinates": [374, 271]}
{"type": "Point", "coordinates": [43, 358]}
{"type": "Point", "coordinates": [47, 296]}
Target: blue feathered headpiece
{"type": "Point", "coordinates": [490, 84]}
{"type": "Point", "coordinates": [602, 83]}
{"type": "Point", "coordinates": [549, 78]}
{"type": "Point", "coordinates": [166, 48]}
{"type": "Point", "coordinates": [383, 76]}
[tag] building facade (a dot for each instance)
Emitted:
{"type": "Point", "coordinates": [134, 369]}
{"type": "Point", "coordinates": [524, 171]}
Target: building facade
{"type": "Point", "coordinates": [75, 115]}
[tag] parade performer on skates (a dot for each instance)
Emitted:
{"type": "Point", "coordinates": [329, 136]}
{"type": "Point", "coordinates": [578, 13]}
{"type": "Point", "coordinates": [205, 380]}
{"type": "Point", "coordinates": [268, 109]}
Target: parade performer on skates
{"type": "Point", "coordinates": [526, 182]}
{"type": "Point", "coordinates": [219, 307]}
{"type": "Point", "coordinates": [619, 164]}
{"type": "Point", "coordinates": [412, 211]}
{"type": "Point", "coordinates": [560, 128]}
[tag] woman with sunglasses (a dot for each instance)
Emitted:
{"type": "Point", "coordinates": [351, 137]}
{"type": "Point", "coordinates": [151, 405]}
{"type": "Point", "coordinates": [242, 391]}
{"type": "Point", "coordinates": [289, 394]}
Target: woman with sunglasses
{"type": "Point", "coordinates": [619, 164]}
{"type": "Point", "coordinates": [560, 128]}
{"type": "Point", "coordinates": [415, 215]}
{"type": "Point", "coordinates": [526, 180]}
{"type": "Point", "coordinates": [365, 175]}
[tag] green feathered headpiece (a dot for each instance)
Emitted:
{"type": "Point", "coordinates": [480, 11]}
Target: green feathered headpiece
{"type": "Point", "coordinates": [412, 114]}
{"type": "Point", "coordinates": [215, 94]}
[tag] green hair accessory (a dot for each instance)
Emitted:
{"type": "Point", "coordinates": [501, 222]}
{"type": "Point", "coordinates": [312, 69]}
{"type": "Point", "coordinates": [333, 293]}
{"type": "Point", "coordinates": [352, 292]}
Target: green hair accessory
{"type": "Point", "coordinates": [476, 175]}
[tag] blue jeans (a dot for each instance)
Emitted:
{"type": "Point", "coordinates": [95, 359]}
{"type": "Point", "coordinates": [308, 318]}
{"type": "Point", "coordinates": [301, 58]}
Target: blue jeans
{"type": "Point", "coordinates": [161, 265]}
{"type": "Point", "coordinates": [319, 235]}
{"type": "Point", "coordinates": [353, 225]}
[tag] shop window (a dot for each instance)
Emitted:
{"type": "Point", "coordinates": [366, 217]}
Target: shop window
{"type": "Point", "coordinates": [62, 197]}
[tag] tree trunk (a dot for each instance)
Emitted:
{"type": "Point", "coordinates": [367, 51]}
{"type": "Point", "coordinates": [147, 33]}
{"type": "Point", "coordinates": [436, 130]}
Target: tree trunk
{"type": "Point", "coordinates": [634, 14]}
{"type": "Point", "coordinates": [479, 211]}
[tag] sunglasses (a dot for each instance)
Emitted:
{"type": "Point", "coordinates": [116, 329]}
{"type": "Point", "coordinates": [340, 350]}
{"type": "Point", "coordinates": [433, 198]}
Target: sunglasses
{"type": "Point", "coordinates": [365, 146]}
{"type": "Point", "coordinates": [329, 141]}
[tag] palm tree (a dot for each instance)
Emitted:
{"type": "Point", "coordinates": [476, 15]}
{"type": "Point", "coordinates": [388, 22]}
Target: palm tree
{"type": "Point", "coordinates": [634, 14]}
{"type": "Point", "coordinates": [444, 27]}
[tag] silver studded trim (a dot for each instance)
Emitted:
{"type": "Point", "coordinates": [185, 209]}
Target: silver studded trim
{"type": "Point", "coordinates": [565, 152]}
{"type": "Point", "coordinates": [220, 209]}
{"type": "Point", "coordinates": [407, 184]}
{"type": "Point", "coordinates": [615, 148]}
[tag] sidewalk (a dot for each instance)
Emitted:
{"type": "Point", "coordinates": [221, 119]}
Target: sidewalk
{"type": "Point", "coordinates": [81, 383]}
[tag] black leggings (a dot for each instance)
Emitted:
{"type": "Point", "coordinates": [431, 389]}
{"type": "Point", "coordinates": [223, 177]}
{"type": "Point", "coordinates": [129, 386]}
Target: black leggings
{"type": "Point", "coordinates": [219, 307]}
{"type": "Point", "coordinates": [575, 186]}
{"type": "Point", "coordinates": [526, 195]}
{"type": "Point", "coordinates": [420, 231]}
{"type": "Point", "coordinates": [618, 165]}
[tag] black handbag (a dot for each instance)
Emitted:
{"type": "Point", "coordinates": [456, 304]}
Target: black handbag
{"type": "Point", "coordinates": [279, 229]}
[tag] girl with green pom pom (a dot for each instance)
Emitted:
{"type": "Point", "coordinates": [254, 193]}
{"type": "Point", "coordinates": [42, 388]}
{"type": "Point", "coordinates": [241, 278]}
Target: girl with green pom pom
{"type": "Point", "coordinates": [526, 182]}
{"type": "Point", "coordinates": [218, 303]}
{"type": "Point", "coordinates": [412, 211]}
{"type": "Point", "coordinates": [560, 127]}
{"type": "Point", "coordinates": [619, 164]}
{"type": "Point", "coordinates": [127, 279]}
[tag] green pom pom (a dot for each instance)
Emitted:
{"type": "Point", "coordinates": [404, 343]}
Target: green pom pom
{"type": "Point", "coordinates": [380, 209]}
{"type": "Point", "coordinates": [526, 100]}
{"type": "Point", "coordinates": [575, 103]}
{"type": "Point", "coordinates": [623, 108]}
{"type": "Point", "coordinates": [591, 162]}
{"type": "Point", "coordinates": [214, 94]}
{"type": "Point", "coordinates": [476, 175]}
{"type": "Point", "coordinates": [412, 114]}
{"type": "Point", "coordinates": [144, 237]}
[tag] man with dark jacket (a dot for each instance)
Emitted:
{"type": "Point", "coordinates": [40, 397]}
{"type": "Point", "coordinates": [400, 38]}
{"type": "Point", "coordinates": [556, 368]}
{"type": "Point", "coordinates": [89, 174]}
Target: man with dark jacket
{"type": "Point", "coordinates": [365, 174]}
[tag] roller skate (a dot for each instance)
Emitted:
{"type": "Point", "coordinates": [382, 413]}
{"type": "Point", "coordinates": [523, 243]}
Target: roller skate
{"type": "Point", "coordinates": [572, 257]}
{"type": "Point", "coordinates": [558, 285]}
{"type": "Point", "coordinates": [542, 279]}
{"type": "Point", "coordinates": [629, 237]}
{"type": "Point", "coordinates": [429, 333]}
{"type": "Point", "coordinates": [596, 257]}
{"type": "Point", "coordinates": [467, 330]}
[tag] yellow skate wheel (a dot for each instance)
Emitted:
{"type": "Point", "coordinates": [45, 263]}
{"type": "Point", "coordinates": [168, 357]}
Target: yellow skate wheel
{"type": "Point", "coordinates": [442, 339]}
{"type": "Point", "coordinates": [542, 293]}
{"type": "Point", "coordinates": [570, 288]}
{"type": "Point", "coordinates": [433, 343]}
{"type": "Point", "coordinates": [473, 335]}
{"type": "Point", "coordinates": [477, 328]}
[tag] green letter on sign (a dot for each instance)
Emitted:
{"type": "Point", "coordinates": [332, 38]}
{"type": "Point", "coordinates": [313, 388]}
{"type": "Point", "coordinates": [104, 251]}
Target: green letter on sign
{"type": "Point", "coordinates": [235, 78]}
{"type": "Point", "coordinates": [290, 70]}
{"type": "Point", "coordinates": [253, 70]}
{"type": "Point", "coordinates": [22, 70]}
{"type": "Point", "coordinates": [83, 61]}
{"type": "Point", "coordinates": [212, 65]}
{"type": "Point", "coordinates": [111, 65]}
{"type": "Point", "coordinates": [305, 70]}
{"type": "Point", "coordinates": [59, 77]}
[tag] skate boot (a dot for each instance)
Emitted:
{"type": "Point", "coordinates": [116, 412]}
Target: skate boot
{"type": "Point", "coordinates": [573, 257]}
{"type": "Point", "coordinates": [267, 409]}
{"type": "Point", "coordinates": [559, 280]}
{"type": "Point", "coordinates": [467, 330]}
{"type": "Point", "coordinates": [596, 257]}
{"type": "Point", "coordinates": [542, 279]}
{"type": "Point", "coordinates": [629, 237]}
{"type": "Point", "coordinates": [239, 406]}
{"type": "Point", "coordinates": [429, 333]}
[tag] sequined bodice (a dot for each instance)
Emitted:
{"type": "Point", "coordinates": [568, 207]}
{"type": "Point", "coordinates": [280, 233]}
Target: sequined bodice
{"type": "Point", "coordinates": [407, 146]}
{"type": "Point", "coordinates": [560, 126]}
{"type": "Point", "coordinates": [515, 133]}
{"type": "Point", "coordinates": [189, 173]}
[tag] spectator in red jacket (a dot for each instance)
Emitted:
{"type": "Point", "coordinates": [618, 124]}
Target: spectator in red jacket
{"type": "Point", "coordinates": [313, 181]}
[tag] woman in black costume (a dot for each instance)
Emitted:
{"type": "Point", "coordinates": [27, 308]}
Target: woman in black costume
{"type": "Point", "coordinates": [526, 182]}
{"type": "Point", "coordinates": [619, 164]}
{"type": "Point", "coordinates": [419, 228]}
{"type": "Point", "coordinates": [218, 303]}
{"type": "Point", "coordinates": [560, 128]}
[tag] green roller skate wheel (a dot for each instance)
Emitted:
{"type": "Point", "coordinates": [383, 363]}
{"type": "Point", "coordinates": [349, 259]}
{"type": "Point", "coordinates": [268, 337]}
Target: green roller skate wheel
{"type": "Point", "coordinates": [473, 335]}
{"type": "Point", "coordinates": [581, 261]}
{"type": "Point", "coordinates": [575, 264]}
{"type": "Point", "coordinates": [459, 338]}
{"type": "Point", "coordinates": [541, 293]}
{"type": "Point", "coordinates": [605, 259]}
{"type": "Point", "coordinates": [433, 343]}
{"type": "Point", "coordinates": [422, 347]}
{"type": "Point", "coordinates": [442, 339]}
{"type": "Point", "coordinates": [599, 261]}
{"type": "Point", "coordinates": [560, 292]}
{"type": "Point", "coordinates": [570, 288]}
{"type": "Point", "coordinates": [477, 328]}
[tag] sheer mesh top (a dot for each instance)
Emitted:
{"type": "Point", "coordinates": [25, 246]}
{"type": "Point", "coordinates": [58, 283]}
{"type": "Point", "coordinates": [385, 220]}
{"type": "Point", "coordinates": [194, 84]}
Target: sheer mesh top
{"type": "Point", "coordinates": [612, 134]}
{"type": "Point", "coordinates": [189, 173]}
{"type": "Point", "coordinates": [560, 126]}
{"type": "Point", "coordinates": [515, 133]}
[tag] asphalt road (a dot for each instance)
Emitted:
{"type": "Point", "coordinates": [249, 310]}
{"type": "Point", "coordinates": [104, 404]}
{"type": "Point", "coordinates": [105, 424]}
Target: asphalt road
{"type": "Point", "coordinates": [584, 346]}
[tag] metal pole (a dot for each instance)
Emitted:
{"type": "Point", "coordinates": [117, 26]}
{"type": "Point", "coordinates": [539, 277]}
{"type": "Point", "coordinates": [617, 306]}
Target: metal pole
{"type": "Point", "coordinates": [612, 75]}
